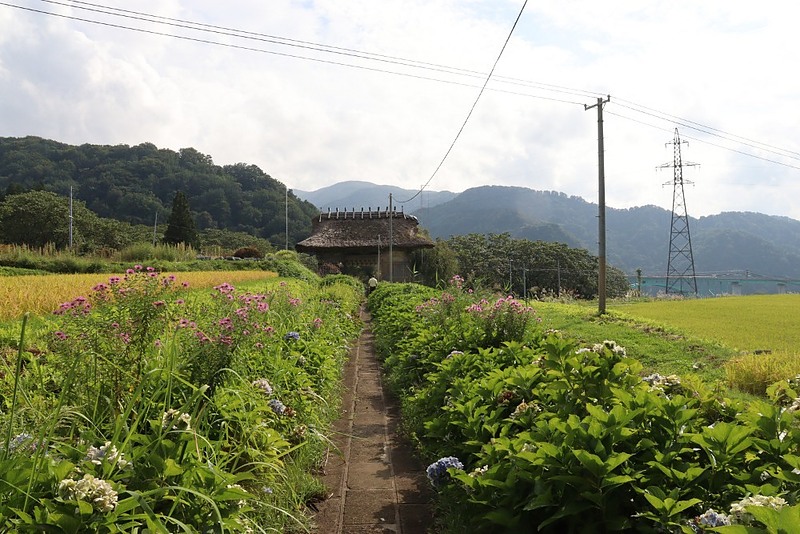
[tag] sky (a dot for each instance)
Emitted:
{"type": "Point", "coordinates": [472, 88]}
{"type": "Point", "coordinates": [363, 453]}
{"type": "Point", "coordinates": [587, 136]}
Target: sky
{"type": "Point", "coordinates": [317, 92]}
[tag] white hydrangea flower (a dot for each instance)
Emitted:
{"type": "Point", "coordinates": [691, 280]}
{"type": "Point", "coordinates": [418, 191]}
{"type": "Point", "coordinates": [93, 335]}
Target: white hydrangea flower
{"type": "Point", "coordinates": [109, 453]}
{"type": "Point", "coordinates": [523, 407]}
{"type": "Point", "coordinates": [478, 471]}
{"type": "Point", "coordinates": [739, 512]}
{"type": "Point", "coordinates": [95, 491]}
{"type": "Point", "coordinates": [176, 420]}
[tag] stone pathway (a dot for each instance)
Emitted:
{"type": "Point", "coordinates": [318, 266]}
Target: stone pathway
{"type": "Point", "coordinates": [375, 483]}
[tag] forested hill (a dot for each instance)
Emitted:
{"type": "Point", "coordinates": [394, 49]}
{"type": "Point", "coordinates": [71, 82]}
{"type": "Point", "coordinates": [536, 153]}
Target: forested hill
{"type": "Point", "coordinates": [636, 237]}
{"type": "Point", "coordinates": [134, 183]}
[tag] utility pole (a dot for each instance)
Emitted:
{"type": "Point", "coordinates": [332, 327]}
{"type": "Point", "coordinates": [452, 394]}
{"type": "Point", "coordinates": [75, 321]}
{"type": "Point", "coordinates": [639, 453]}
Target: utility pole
{"type": "Point", "coordinates": [680, 267]}
{"type": "Point", "coordinates": [70, 218]}
{"type": "Point", "coordinates": [155, 227]}
{"type": "Point", "coordinates": [286, 214]}
{"type": "Point", "coordinates": [525, 283]}
{"type": "Point", "coordinates": [510, 280]}
{"type": "Point", "coordinates": [558, 277]}
{"type": "Point", "coordinates": [391, 240]}
{"type": "Point", "coordinates": [601, 205]}
{"type": "Point", "coordinates": [378, 274]}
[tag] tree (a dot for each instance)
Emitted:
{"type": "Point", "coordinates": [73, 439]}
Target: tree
{"type": "Point", "coordinates": [35, 219]}
{"type": "Point", "coordinates": [180, 225]}
{"type": "Point", "coordinates": [436, 265]}
{"type": "Point", "coordinates": [531, 267]}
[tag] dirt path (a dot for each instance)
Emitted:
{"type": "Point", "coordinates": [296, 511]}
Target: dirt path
{"type": "Point", "coordinates": [375, 483]}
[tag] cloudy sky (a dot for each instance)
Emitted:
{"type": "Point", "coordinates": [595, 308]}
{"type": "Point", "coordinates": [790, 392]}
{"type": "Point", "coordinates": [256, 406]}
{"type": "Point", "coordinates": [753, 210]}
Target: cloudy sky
{"type": "Point", "coordinates": [316, 92]}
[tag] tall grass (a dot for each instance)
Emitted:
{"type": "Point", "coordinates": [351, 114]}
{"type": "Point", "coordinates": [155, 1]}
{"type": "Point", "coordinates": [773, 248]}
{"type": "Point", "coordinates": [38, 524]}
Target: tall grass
{"type": "Point", "coordinates": [141, 252]}
{"type": "Point", "coordinates": [150, 407]}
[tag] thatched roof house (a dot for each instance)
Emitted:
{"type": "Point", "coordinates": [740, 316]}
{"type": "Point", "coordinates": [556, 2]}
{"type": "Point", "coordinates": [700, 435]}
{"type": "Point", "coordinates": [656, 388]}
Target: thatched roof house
{"type": "Point", "coordinates": [358, 242]}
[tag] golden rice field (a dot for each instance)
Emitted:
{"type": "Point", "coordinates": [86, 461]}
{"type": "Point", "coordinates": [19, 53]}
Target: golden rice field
{"type": "Point", "coordinates": [41, 294]}
{"type": "Point", "coordinates": [746, 323]}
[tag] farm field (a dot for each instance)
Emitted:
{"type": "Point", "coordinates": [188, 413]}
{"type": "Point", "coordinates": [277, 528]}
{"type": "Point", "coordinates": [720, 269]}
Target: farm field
{"type": "Point", "coordinates": [748, 323]}
{"type": "Point", "coordinates": [41, 294]}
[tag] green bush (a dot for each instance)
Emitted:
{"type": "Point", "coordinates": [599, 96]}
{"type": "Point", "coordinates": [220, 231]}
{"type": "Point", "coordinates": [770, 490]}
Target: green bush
{"type": "Point", "coordinates": [553, 436]}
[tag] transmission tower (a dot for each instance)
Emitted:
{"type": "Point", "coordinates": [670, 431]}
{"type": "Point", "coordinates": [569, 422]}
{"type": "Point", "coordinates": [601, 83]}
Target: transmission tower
{"type": "Point", "coordinates": [681, 277]}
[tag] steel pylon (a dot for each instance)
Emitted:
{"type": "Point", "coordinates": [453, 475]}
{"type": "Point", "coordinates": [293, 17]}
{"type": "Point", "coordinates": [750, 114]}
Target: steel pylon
{"type": "Point", "coordinates": [681, 276]}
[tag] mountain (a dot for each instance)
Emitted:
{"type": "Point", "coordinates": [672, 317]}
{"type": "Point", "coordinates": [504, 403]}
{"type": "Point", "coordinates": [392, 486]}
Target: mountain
{"type": "Point", "coordinates": [357, 194]}
{"type": "Point", "coordinates": [136, 184]}
{"type": "Point", "coordinates": [636, 238]}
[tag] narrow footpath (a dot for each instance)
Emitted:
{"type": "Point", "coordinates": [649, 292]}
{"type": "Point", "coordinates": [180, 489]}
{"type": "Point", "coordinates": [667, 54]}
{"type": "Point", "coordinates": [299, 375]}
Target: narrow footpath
{"type": "Point", "coordinates": [374, 482]}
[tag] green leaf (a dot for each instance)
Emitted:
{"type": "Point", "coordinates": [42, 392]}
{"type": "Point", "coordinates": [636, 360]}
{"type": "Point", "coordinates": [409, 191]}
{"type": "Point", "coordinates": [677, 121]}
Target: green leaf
{"type": "Point", "coordinates": [680, 506]}
{"type": "Point", "coordinates": [617, 480]}
{"type": "Point", "coordinates": [615, 460]}
{"type": "Point", "coordinates": [85, 508]}
{"type": "Point", "coordinates": [784, 521]}
{"type": "Point", "coordinates": [171, 468]}
{"type": "Point", "coordinates": [590, 461]}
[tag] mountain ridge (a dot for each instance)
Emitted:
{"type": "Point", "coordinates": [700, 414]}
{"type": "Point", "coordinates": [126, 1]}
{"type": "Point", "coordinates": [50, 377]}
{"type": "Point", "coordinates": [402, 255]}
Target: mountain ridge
{"type": "Point", "coordinates": [637, 237]}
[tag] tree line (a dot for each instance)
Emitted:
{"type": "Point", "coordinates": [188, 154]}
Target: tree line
{"type": "Point", "coordinates": [121, 192]}
{"type": "Point", "coordinates": [137, 184]}
{"type": "Point", "coordinates": [519, 266]}
{"type": "Point", "coordinates": [42, 218]}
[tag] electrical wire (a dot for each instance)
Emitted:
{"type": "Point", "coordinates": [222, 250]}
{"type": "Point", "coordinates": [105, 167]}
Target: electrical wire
{"type": "Point", "coordinates": [298, 56]}
{"type": "Point", "coordinates": [273, 39]}
{"type": "Point", "coordinates": [710, 130]}
{"type": "Point", "coordinates": [705, 141]}
{"type": "Point", "coordinates": [404, 62]}
{"type": "Point", "coordinates": [474, 105]}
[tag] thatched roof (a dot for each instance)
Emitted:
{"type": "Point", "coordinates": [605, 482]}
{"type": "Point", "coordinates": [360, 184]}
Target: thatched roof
{"type": "Point", "coordinates": [352, 229]}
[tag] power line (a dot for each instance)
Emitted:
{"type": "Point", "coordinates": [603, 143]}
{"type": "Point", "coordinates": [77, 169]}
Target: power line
{"type": "Point", "coordinates": [700, 140]}
{"type": "Point", "coordinates": [297, 56]}
{"type": "Point", "coordinates": [710, 130]}
{"type": "Point", "coordinates": [474, 105]}
{"type": "Point", "coordinates": [404, 62]}
{"type": "Point", "coordinates": [285, 41]}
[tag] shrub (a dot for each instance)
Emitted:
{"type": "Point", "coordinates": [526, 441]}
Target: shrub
{"type": "Point", "coordinates": [554, 436]}
{"type": "Point", "coordinates": [148, 411]}
{"type": "Point", "coordinates": [248, 252]}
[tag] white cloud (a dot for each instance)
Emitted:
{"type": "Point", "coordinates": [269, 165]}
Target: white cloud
{"type": "Point", "coordinates": [728, 65]}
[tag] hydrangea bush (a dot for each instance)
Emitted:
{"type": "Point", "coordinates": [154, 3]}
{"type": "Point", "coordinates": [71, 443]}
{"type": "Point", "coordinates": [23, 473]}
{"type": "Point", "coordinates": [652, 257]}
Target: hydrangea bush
{"type": "Point", "coordinates": [558, 436]}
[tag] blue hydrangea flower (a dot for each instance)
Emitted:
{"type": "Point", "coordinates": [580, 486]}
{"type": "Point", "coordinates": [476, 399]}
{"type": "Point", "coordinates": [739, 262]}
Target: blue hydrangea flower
{"type": "Point", "coordinates": [263, 385]}
{"type": "Point", "coordinates": [713, 519]}
{"type": "Point", "coordinates": [437, 471]}
{"type": "Point", "coordinates": [277, 406]}
{"type": "Point", "coordinates": [292, 335]}
{"type": "Point", "coordinates": [21, 441]}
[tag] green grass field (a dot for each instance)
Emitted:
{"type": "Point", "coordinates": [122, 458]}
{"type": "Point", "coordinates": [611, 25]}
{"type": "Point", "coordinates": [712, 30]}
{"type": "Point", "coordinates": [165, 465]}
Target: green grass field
{"type": "Point", "coordinates": [745, 342]}
{"type": "Point", "coordinates": [750, 323]}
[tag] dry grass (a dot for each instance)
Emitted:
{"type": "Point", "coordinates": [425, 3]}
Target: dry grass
{"type": "Point", "coordinates": [752, 373]}
{"type": "Point", "coordinates": [39, 295]}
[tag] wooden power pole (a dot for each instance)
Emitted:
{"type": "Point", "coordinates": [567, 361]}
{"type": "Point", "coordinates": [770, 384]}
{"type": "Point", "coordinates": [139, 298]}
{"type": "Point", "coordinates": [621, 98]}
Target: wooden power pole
{"type": "Point", "coordinates": [601, 205]}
